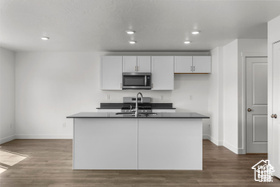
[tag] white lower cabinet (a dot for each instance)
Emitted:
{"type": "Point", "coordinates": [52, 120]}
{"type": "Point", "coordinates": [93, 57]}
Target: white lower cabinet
{"type": "Point", "coordinates": [111, 73]}
{"type": "Point", "coordinates": [162, 72]}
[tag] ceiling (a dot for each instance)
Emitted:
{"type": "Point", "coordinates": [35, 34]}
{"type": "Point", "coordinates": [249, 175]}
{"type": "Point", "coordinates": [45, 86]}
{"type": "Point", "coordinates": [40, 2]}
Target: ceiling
{"type": "Point", "coordinates": [160, 25]}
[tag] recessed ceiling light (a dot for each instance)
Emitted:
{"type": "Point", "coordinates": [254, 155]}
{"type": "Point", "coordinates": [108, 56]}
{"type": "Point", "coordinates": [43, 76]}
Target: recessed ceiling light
{"type": "Point", "coordinates": [132, 42]}
{"type": "Point", "coordinates": [195, 32]}
{"type": "Point", "coordinates": [45, 38]}
{"type": "Point", "coordinates": [187, 42]}
{"type": "Point", "coordinates": [130, 32]}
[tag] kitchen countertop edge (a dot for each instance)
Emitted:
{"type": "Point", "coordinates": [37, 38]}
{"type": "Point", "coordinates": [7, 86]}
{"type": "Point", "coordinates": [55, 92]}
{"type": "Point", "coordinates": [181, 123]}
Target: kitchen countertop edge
{"type": "Point", "coordinates": [190, 115]}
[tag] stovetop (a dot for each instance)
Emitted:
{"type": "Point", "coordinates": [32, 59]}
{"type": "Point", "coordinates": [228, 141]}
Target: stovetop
{"type": "Point", "coordinates": [141, 108]}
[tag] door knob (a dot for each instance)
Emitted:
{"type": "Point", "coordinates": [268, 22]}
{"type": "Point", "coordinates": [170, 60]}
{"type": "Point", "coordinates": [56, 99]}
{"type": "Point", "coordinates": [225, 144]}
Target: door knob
{"type": "Point", "coordinates": [274, 116]}
{"type": "Point", "coordinates": [249, 109]}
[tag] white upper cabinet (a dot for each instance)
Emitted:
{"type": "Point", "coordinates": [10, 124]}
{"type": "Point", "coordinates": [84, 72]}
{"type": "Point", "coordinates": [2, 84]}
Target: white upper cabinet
{"type": "Point", "coordinates": [144, 64]}
{"type": "Point", "coordinates": [111, 73]}
{"type": "Point", "coordinates": [129, 63]}
{"type": "Point", "coordinates": [192, 64]}
{"type": "Point", "coordinates": [183, 64]}
{"type": "Point", "coordinates": [201, 64]}
{"type": "Point", "coordinates": [162, 73]}
{"type": "Point", "coordinates": [136, 64]}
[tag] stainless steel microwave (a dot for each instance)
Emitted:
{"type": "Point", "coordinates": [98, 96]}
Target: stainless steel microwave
{"type": "Point", "coordinates": [137, 81]}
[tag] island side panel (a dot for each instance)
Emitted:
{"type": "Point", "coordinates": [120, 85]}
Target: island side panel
{"type": "Point", "coordinates": [101, 143]}
{"type": "Point", "coordinates": [170, 144]}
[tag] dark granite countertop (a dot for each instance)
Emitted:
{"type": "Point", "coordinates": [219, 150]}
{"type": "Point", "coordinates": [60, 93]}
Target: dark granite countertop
{"type": "Point", "coordinates": [157, 115]}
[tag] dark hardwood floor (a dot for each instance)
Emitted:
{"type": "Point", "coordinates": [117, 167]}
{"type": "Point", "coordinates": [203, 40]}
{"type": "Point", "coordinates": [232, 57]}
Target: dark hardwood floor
{"type": "Point", "coordinates": [49, 163]}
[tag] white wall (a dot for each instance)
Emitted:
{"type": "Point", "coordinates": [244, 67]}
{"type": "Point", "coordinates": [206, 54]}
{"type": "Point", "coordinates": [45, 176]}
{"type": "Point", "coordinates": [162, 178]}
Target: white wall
{"type": "Point", "coordinates": [273, 36]}
{"type": "Point", "coordinates": [230, 99]}
{"type": "Point", "coordinates": [227, 102]}
{"type": "Point", "coordinates": [215, 103]}
{"type": "Point", "coordinates": [7, 95]}
{"type": "Point", "coordinates": [53, 85]}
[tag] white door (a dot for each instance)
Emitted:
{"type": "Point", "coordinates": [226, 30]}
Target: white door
{"type": "Point", "coordinates": [256, 69]}
{"type": "Point", "coordinates": [129, 63]}
{"type": "Point", "coordinates": [111, 73]}
{"type": "Point", "coordinates": [183, 64]}
{"type": "Point", "coordinates": [275, 126]}
{"type": "Point", "coordinates": [201, 64]}
{"type": "Point", "coordinates": [162, 73]}
{"type": "Point", "coordinates": [144, 64]}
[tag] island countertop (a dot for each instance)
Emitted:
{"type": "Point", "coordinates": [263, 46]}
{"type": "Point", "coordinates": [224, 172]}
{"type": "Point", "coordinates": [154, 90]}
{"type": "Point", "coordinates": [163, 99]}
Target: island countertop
{"type": "Point", "coordinates": [191, 115]}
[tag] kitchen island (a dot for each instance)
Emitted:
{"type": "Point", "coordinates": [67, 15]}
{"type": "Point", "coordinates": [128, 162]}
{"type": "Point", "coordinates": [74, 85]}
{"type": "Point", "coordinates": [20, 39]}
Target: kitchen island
{"type": "Point", "coordinates": [163, 141]}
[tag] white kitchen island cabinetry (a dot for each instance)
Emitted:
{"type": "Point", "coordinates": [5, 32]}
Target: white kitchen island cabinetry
{"type": "Point", "coordinates": [167, 141]}
{"type": "Point", "coordinates": [162, 72]}
{"type": "Point", "coordinates": [111, 73]}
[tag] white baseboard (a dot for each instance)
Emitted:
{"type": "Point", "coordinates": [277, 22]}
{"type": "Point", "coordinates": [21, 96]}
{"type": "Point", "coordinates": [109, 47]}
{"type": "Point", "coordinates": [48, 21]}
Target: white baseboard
{"type": "Point", "coordinates": [220, 143]}
{"type": "Point", "coordinates": [213, 140]}
{"type": "Point", "coordinates": [42, 136]}
{"type": "Point", "coordinates": [7, 139]}
{"type": "Point", "coordinates": [241, 151]}
{"type": "Point", "coordinates": [206, 137]}
{"type": "Point", "coordinates": [231, 147]}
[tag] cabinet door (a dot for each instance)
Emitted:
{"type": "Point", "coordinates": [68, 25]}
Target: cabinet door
{"type": "Point", "coordinates": [201, 64]}
{"type": "Point", "coordinates": [104, 143]}
{"type": "Point", "coordinates": [183, 64]}
{"type": "Point", "coordinates": [111, 73]}
{"type": "Point", "coordinates": [163, 72]}
{"type": "Point", "coordinates": [144, 64]}
{"type": "Point", "coordinates": [129, 63]}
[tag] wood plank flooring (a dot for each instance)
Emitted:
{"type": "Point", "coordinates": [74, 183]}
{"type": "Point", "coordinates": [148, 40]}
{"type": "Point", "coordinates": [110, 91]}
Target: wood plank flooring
{"type": "Point", "coordinates": [49, 163]}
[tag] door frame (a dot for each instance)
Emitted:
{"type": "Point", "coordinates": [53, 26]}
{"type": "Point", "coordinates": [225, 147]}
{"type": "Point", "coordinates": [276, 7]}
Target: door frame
{"type": "Point", "coordinates": [243, 131]}
{"type": "Point", "coordinates": [270, 101]}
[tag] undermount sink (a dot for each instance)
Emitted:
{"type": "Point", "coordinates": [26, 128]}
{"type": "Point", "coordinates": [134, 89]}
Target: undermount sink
{"type": "Point", "coordinates": [139, 114]}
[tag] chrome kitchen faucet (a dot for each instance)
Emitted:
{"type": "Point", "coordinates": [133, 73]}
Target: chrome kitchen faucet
{"type": "Point", "coordinates": [136, 104]}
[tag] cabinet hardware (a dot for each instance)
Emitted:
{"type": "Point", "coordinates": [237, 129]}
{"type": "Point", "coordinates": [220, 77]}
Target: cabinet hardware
{"type": "Point", "coordinates": [274, 116]}
{"type": "Point", "coordinates": [249, 109]}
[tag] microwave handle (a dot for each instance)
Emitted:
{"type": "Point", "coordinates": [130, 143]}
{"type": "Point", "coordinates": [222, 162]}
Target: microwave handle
{"type": "Point", "coordinates": [145, 80]}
